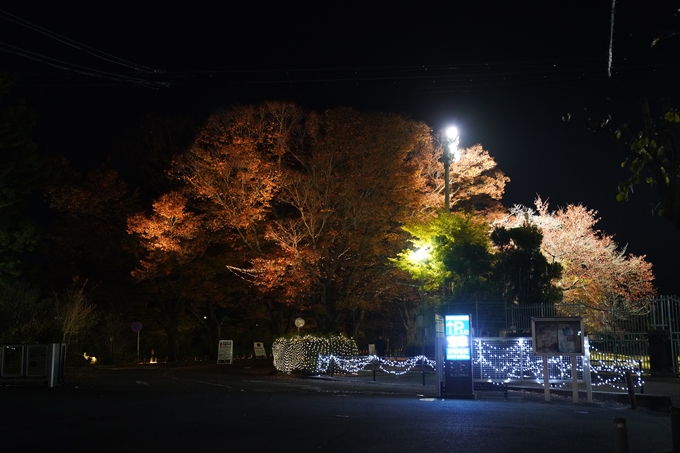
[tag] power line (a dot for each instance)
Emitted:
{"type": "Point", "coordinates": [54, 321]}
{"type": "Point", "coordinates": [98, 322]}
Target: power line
{"type": "Point", "coordinates": [77, 45]}
{"type": "Point", "coordinates": [60, 64]}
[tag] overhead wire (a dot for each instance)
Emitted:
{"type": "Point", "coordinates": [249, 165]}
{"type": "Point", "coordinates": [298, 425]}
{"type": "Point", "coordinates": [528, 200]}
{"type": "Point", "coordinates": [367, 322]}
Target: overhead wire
{"type": "Point", "coordinates": [77, 45]}
{"type": "Point", "coordinates": [60, 64]}
{"type": "Point", "coordinates": [77, 68]}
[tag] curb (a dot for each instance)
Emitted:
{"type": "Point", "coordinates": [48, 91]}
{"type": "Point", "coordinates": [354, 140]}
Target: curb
{"type": "Point", "coordinates": [657, 403]}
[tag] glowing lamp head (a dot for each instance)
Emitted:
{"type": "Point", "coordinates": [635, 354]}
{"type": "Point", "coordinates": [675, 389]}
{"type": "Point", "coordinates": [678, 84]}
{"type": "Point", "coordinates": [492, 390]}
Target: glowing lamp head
{"type": "Point", "coordinates": [452, 133]}
{"type": "Point", "coordinates": [421, 254]}
{"type": "Point", "coordinates": [453, 140]}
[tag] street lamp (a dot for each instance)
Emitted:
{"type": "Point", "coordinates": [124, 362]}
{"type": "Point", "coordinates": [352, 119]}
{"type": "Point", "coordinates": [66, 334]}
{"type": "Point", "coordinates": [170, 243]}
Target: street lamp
{"type": "Point", "coordinates": [451, 154]}
{"type": "Point", "coordinates": [420, 256]}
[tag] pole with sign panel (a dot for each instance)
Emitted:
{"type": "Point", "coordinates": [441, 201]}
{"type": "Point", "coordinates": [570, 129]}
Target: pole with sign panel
{"type": "Point", "coordinates": [299, 322]}
{"type": "Point", "coordinates": [558, 336]}
{"type": "Point", "coordinates": [458, 379]}
{"type": "Point", "coordinates": [137, 327]}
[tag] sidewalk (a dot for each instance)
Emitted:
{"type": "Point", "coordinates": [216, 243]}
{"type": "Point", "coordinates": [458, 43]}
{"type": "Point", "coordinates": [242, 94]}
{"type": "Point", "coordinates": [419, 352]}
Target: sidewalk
{"type": "Point", "coordinates": [656, 394]}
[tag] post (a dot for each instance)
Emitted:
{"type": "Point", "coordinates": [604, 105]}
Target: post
{"type": "Point", "coordinates": [422, 322]}
{"type": "Point", "coordinates": [586, 370]}
{"type": "Point", "coordinates": [631, 390]}
{"type": "Point", "coordinates": [440, 365]}
{"type": "Point", "coordinates": [546, 379]}
{"type": "Point", "coordinates": [574, 380]}
{"type": "Point", "coordinates": [373, 369]}
{"type": "Point", "coordinates": [138, 347]}
{"type": "Point", "coordinates": [675, 428]}
{"type": "Point", "coordinates": [620, 435]}
{"type": "Point", "coordinates": [447, 190]}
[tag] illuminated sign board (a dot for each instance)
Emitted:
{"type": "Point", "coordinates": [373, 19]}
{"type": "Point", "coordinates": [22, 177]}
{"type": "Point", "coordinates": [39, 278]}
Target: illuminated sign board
{"type": "Point", "coordinates": [457, 330]}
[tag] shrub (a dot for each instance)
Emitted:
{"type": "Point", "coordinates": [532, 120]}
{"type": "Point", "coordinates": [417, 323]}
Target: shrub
{"type": "Point", "coordinates": [301, 354]}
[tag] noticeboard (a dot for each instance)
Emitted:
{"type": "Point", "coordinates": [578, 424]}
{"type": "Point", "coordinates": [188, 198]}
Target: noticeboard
{"type": "Point", "coordinates": [557, 336]}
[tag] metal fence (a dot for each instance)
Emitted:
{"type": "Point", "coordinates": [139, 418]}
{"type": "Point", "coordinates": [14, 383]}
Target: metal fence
{"type": "Point", "coordinates": [505, 360]}
{"type": "Point", "coordinates": [512, 360]}
{"type": "Point", "coordinates": [621, 336]}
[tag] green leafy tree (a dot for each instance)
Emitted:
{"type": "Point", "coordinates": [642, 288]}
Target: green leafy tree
{"type": "Point", "coordinates": [23, 313]}
{"type": "Point", "coordinates": [22, 173]}
{"type": "Point", "coordinates": [449, 250]}
{"type": "Point", "coordinates": [653, 157]}
{"type": "Point", "coordinates": [521, 271]}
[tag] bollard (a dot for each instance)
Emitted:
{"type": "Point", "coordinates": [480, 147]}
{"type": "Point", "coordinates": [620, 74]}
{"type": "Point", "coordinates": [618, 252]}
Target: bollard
{"type": "Point", "coordinates": [373, 370]}
{"type": "Point", "coordinates": [675, 428]}
{"type": "Point", "coordinates": [631, 390]}
{"type": "Point", "coordinates": [620, 435]}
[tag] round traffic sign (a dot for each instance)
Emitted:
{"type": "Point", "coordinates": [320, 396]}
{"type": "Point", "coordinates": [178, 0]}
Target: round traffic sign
{"type": "Point", "coordinates": [136, 326]}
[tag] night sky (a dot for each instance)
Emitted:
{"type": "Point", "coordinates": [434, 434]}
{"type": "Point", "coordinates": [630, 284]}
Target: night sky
{"type": "Point", "coordinates": [505, 75]}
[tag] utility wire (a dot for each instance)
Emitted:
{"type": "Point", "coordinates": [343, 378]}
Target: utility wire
{"type": "Point", "coordinates": [77, 45]}
{"type": "Point", "coordinates": [8, 48]}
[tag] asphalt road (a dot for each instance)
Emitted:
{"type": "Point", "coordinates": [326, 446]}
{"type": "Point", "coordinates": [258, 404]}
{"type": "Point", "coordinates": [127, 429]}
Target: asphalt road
{"type": "Point", "coordinates": [153, 409]}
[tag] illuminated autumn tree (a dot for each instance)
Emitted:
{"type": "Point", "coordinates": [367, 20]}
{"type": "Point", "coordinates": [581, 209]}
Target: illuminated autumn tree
{"type": "Point", "coordinates": [315, 202]}
{"type": "Point", "coordinates": [234, 166]}
{"type": "Point", "coordinates": [347, 194]}
{"type": "Point", "coordinates": [231, 174]}
{"type": "Point", "coordinates": [475, 180]}
{"type": "Point", "coordinates": [596, 272]}
{"type": "Point", "coordinates": [174, 239]}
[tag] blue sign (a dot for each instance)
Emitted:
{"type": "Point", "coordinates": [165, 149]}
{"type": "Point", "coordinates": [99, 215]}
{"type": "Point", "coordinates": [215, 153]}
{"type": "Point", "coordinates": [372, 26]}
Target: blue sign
{"type": "Point", "coordinates": [457, 329]}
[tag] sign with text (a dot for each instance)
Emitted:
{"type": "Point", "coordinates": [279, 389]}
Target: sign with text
{"type": "Point", "coordinates": [259, 350]}
{"type": "Point", "coordinates": [557, 336]}
{"type": "Point", "coordinates": [225, 351]}
{"type": "Point", "coordinates": [457, 331]}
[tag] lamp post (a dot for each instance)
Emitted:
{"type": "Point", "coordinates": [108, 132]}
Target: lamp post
{"type": "Point", "coordinates": [419, 256]}
{"type": "Point", "coordinates": [450, 154]}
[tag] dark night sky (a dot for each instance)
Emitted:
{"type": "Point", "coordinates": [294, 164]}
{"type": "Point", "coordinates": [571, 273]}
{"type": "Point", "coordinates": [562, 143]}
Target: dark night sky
{"type": "Point", "coordinates": [504, 75]}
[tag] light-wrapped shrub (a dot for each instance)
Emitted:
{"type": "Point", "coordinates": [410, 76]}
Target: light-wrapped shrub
{"type": "Point", "coordinates": [301, 354]}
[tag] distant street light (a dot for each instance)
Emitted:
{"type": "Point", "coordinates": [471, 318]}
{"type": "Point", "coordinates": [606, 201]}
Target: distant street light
{"type": "Point", "coordinates": [420, 256]}
{"type": "Point", "coordinates": [299, 322]}
{"type": "Point", "coordinates": [451, 154]}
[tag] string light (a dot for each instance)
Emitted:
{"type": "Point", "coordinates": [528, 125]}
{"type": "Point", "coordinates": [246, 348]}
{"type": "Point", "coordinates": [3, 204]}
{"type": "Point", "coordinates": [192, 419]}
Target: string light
{"type": "Point", "coordinates": [495, 361]}
{"type": "Point", "coordinates": [512, 360]}
{"type": "Point", "coordinates": [356, 364]}
{"type": "Point", "coordinates": [304, 353]}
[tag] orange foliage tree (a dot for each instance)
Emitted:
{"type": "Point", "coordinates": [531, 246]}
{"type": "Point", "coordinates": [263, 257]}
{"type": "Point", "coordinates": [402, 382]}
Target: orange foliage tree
{"type": "Point", "coordinates": [173, 239]}
{"type": "Point", "coordinates": [476, 182]}
{"type": "Point", "coordinates": [310, 205]}
{"type": "Point", "coordinates": [611, 283]}
{"type": "Point", "coordinates": [347, 194]}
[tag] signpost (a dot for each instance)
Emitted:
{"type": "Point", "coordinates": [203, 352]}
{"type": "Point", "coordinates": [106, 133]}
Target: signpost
{"type": "Point", "coordinates": [558, 337]}
{"type": "Point", "coordinates": [299, 322]}
{"type": "Point", "coordinates": [137, 327]}
{"type": "Point", "coordinates": [225, 351]}
{"type": "Point", "coordinates": [259, 350]}
{"type": "Point", "coordinates": [458, 379]}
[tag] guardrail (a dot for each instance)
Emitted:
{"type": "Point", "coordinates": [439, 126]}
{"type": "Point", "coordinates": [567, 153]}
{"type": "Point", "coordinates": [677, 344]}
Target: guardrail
{"type": "Point", "coordinates": [32, 363]}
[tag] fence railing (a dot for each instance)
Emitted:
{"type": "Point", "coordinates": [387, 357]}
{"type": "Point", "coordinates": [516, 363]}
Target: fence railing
{"type": "Point", "coordinates": [623, 336]}
{"type": "Point", "coordinates": [511, 360]}
{"type": "Point", "coordinates": [499, 360]}
{"type": "Point", "coordinates": [31, 363]}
